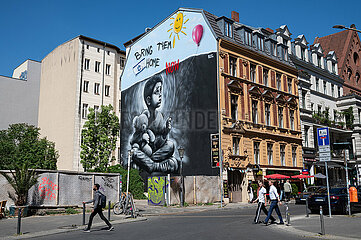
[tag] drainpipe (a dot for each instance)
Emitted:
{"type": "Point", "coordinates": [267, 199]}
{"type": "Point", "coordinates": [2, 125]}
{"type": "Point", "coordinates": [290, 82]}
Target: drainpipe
{"type": "Point", "coordinates": [80, 94]}
{"type": "Point", "coordinates": [103, 87]}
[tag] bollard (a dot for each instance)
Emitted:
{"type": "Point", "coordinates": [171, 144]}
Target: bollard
{"type": "Point", "coordinates": [322, 222]}
{"type": "Point", "coordinates": [18, 230]}
{"type": "Point", "coordinates": [83, 213]}
{"type": "Point", "coordinates": [288, 215]}
{"type": "Point", "coordinates": [307, 213]}
{"type": "Point", "coordinates": [109, 210]}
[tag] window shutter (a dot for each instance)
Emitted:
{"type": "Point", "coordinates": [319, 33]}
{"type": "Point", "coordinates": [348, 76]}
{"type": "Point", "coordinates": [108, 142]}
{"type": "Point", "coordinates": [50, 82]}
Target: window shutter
{"type": "Point", "coordinates": [275, 123]}
{"type": "Point", "coordinates": [273, 79]}
{"type": "Point", "coordinates": [240, 68]}
{"type": "Point", "coordinates": [247, 70]}
{"type": "Point", "coordinates": [260, 80]}
{"type": "Point", "coordinates": [285, 84]}
{"type": "Point", "coordinates": [242, 103]}
{"type": "Point", "coordinates": [262, 111]}
{"type": "Point", "coordinates": [287, 118]}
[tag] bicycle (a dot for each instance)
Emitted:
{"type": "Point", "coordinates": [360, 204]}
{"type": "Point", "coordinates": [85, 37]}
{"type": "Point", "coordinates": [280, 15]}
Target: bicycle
{"type": "Point", "coordinates": [120, 207]}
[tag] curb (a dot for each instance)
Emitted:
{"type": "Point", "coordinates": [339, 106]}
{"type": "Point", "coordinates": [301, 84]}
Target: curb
{"type": "Point", "coordinates": [77, 228]}
{"type": "Point", "coordinates": [291, 229]}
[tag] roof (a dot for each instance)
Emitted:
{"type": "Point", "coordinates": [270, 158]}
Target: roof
{"type": "Point", "coordinates": [336, 42]}
{"type": "Point", "coordinates": [100, 42]}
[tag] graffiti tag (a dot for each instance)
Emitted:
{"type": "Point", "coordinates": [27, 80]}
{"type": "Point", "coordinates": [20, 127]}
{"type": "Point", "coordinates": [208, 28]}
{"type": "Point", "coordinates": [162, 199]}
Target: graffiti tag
{"type": "Point", "coordinates": [108, 182]}
{"type": "Point", "coordinates": [173, 66]}
{"type": "Point", "coordinates": [88, 179]}
{"type": "Point", "coordinates": [47, 189]}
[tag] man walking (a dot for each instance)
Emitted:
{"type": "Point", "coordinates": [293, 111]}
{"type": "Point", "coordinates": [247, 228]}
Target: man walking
{"type": "Point", "coordinates": [97, 209]}
{"type": "Point", "coordinates": [273, 194]}
{"type": "Point", "coordinates": [261, 203]}
{"type": "Point", "coordinates": [287, 189]}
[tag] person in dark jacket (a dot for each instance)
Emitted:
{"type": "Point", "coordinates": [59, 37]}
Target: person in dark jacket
{"type": "Point", "coordinates": [97, 209]}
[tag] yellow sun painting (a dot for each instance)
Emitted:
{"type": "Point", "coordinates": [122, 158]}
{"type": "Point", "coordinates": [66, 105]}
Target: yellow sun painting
{"type": "Point", "coordinates": [178, 26]}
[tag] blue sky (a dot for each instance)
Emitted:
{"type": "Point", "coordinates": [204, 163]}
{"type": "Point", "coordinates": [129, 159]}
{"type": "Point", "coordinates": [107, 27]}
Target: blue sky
{"type": "Point", "coordinates": [31, 29]}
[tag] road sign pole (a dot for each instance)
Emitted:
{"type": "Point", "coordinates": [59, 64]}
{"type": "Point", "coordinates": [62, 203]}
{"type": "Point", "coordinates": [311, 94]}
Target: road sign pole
{"type": "Point", "coordinates": [328, 191]}
{"type": "Point", "coordinates": [347, 184]}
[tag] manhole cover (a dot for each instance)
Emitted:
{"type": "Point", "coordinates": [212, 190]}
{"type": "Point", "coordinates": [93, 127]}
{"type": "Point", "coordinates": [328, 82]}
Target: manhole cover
{"type": "Point", "coordinates": [69, 227]}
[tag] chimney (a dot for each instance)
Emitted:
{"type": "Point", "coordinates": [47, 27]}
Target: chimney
{"type": "Point", "coordinates": [270, 30]}
{"type": "Point", "coordinates": [235, 16]}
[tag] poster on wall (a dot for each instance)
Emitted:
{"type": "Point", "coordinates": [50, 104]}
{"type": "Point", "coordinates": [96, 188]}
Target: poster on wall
{"type": "Point", "coordinates": [169, 97]}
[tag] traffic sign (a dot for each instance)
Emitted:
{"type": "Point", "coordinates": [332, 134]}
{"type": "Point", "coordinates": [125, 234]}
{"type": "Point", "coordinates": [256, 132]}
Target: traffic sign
{"type": "Point", "coordinates": [323, 149]}
{"type": "Point", "coordinates": [323, 137]}
{"type": "Point", "coordinates": [325, 154]}
{"type": "Point", "coordinates": [325, 159]}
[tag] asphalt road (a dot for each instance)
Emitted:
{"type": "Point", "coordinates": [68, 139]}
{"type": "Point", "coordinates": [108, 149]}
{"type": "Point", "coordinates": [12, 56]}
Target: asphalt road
{"type": "Point", "coordinates": [214, 224]}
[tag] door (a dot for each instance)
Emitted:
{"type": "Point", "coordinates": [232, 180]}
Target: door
{"type": "Point", "coordinates": [235, 186]}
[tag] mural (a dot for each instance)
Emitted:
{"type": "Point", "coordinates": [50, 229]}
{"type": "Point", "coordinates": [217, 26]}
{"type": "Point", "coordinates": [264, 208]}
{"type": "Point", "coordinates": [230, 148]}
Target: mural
{"type": "Point", "coordinates": [157, 190]}
{"type": "Point", "coordinates": [169, 97]}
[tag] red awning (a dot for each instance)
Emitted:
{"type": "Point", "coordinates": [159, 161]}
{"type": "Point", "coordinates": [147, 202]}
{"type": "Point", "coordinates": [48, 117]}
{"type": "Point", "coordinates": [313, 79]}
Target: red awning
{"type": "Point", "coordinates": [276, 176]}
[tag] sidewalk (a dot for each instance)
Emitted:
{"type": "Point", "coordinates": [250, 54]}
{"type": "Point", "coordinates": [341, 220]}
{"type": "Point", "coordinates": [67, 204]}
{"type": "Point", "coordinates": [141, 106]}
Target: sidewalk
{"type": "Point", "coordinates": [337, 227]}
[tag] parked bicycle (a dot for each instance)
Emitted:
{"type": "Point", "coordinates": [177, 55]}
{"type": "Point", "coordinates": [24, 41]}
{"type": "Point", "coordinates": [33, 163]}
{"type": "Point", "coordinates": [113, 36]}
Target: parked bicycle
{"type": "Point", "coordinates": [125, 206]}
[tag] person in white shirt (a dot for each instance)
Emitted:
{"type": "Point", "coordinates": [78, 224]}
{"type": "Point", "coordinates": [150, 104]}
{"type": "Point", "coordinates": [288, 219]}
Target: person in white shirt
{"type": "Point", "coordinates": [262, 192]}
{"type": "Point", "coordinates": [273, 195]}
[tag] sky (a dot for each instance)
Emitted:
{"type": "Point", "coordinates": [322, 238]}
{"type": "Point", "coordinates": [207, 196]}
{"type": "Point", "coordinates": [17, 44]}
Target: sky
{"type": "Point", "coordinates": [31, 29]}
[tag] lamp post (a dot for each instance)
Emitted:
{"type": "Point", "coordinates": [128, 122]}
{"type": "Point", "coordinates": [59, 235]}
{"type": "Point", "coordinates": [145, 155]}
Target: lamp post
{"type": "Point", "coordinates": [181, 154]}
{"type": "Point", "coordinates": [130, 154]}
{"type": "Point", "coordinates": [352, 27]}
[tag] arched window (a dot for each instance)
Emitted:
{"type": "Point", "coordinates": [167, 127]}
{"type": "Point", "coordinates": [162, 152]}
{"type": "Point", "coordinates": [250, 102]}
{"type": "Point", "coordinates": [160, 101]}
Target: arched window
{"type": "Point", "coordinates": [356, 58]}
{"type": "Point", "coordinates": [357, 77]}
{"type": "Point", "coordinates": [349, 73]}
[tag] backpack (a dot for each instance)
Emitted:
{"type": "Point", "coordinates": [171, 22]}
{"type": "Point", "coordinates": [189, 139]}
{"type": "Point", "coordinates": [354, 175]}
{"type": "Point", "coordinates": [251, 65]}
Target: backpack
{"type": "Point", "coordinates": [102, 200]}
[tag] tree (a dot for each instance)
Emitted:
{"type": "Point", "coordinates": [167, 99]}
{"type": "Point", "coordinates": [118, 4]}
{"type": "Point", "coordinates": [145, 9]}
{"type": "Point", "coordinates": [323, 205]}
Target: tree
{"type": "Point", "coordinates": [22, 151]}
{"type": "Point", "coordinates": [99, 137]}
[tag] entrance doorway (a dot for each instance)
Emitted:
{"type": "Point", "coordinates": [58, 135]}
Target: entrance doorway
{"type": "Point", "coordinates": [235, 179]}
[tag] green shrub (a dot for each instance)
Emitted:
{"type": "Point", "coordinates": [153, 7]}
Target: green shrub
{"type": "Point", "coordinates": [136, 184]}
{"type": "Point", "coordinates": [71, 211]}
{"type": "Point", "coordinates": [294, 189]}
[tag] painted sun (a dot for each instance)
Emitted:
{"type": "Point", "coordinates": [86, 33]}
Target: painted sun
{"type": "Point", "coordinates": [177, 26]}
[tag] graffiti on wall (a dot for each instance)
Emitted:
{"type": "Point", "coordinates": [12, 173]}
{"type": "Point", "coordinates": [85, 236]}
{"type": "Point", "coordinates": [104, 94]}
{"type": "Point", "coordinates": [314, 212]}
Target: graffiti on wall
{"type": "Point", "coordinates": [157, 190]}
{"type": "Point", "coordinates": [47, 189]}
{"type": "Point", "coordinates": [108, 182]}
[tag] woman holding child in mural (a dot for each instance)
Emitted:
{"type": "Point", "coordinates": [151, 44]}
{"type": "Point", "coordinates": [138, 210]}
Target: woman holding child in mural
{"type": "Point", "coordinates": [152, 150]}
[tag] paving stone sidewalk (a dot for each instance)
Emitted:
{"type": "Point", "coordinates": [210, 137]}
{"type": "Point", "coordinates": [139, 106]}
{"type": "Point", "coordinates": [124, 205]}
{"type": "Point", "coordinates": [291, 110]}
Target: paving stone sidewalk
{"type": "Point", "coordinates": [337, 227]}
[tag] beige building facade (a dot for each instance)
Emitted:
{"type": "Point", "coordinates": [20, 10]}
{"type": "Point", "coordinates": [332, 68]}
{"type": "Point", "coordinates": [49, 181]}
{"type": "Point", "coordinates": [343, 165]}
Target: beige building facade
{"type": "Point", "coordinates": [80, 74]}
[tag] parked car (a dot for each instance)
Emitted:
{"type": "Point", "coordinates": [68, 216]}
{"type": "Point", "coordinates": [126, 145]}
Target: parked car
{"type": "Point", "coordinates": [301, 197]}
{"type": "Point", "coordinates": [338, 200]}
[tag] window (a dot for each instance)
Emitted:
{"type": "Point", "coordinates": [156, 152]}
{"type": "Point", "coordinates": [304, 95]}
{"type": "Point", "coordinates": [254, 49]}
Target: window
{"type": "Point", "coordinates": [318, 61]}
{"type": "Point", "coordinates": [357, 77]}
{"type": "Point", "coordinates": [84, 112]}
{"type": "Point", "coordinates": [96, 88]}
{"type": "Point", "coordinates": [256, 152]}
{"type": "Point", "coordinates": [267, 110]}
{"type": "Point", "coordinates": [253, 73]}
{"type": "Point", "coordinates": [87, 46]}
{"type": "Point", "coordinates": [280, 117]}
{"type": "Point", "coordinates": [254, 111]}
{"type": "Point", "coordinates": [319, 109]}
{"type": "Point", "coordinates": [282, 155]}
{"type": "Point", "coordinates": [359, 116]}
{"type": "Point", "coordinates": [107, 90]}
{"type": "Point", "coordinates": [273, 49]}
{"type": "Point", "coordinates": [122, 62]}
{"type": "Point", "coordinates": [260, 43]}
{"type": "Point", "coordinates": [108, 52]}
{"type": "Point", "coordinates": [97, 66]}
{"type": "Point", "coordinates": [292, 119]}
{"type": "Point", "coordinates": [278, 79]}
{"type": "Point", "coordinates": [86, 86]}
{"type": "Point", "coordinates": [96, 110]}
{"type": "Point", "coordinates": [303, 54]}
{"type": "Point", "coordinates": [98, 49]}
{"type": "Point", "coordinates": [334, 67]}
{"type": "Point", "coordinates": [333, 90]}
{"type": "Point", "coordinates": [107, 69]}
{"type": "Point", "coordinates": [284, 53]}
{"type": "Point", "coordinates": [270, 153]}
{"type": "Point", "coordinates": [248, 38]}
{"type": "Point", "coordinates": [289, 84]}
{"type": "Point", "coordinates": [265, 77]}
{"type": "Point", "coordinates": [228, 29]}
{"type": "Point", "coordinates": [306, 136]}
{"type": "Point", "coordinates": [317, 84]}
{"type": "Point", "coordinates": [294, 156]}
{"type": "Point", "coordinates": [234, 106]}
{"type": "Point", "coordinates": [304, 99]}
{"type": "Point", "coordinates": [334, 115]}
{"type": "Point", "coordinates": [349, 73]}
{"type": "Point", "coordinates": [311, 106]}
{"type": "Point", "coordinates": [338, 91]}
{"type": "Point", "coordinates": [324, 87]}
{"type": "Point", "coordinates": [235, 146]}
{"type": "Point", "coordinates": [86, 64]}
{"type": "Point", "coordinates": [233, 66]}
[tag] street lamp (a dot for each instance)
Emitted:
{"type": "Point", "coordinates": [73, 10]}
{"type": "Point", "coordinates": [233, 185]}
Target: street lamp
{"type": "Point", "coordinates": [352, 27]}
{"type": "Point", "coordinates": [181, 154]}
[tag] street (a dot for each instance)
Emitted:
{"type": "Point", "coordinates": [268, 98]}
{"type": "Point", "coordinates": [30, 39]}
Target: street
{"type": "Point", "coordinates": [213, 224]}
